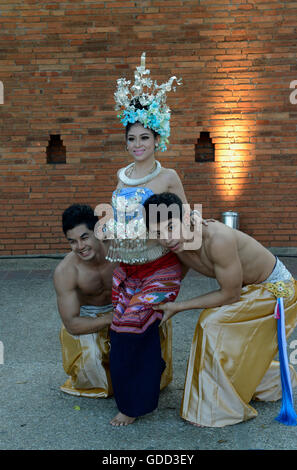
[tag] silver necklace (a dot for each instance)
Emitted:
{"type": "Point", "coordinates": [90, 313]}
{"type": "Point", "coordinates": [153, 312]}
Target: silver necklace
{"type": "Point", "coordinates": [136, 181]}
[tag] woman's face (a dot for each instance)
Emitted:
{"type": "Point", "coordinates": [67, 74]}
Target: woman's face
{"type": "Point", "coordinates": [140, 142]}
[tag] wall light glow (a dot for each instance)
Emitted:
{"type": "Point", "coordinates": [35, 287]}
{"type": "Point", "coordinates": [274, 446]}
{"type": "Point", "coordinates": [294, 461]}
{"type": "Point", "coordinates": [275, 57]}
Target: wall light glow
{"type": "Point", "coordinates": [233, 154]}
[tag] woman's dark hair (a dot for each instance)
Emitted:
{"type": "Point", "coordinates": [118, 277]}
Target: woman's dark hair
{"type": "Point", "coordinates": [78, 214]}
{"type": "Point", "coordinates": [136, 103]}
{"type": "Point", "coordinates": [168, 200]}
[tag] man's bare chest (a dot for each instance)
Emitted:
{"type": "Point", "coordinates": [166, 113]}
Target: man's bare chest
{"type": "Point", "coordinates": [92, 286]}
{"type": "Point", "coordinates": [198, 262]}
{"type": "Point", "coordinates": [93, 282]}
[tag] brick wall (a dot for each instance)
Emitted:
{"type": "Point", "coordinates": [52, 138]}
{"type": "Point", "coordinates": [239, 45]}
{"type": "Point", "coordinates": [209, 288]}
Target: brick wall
{"type": "Point", "coordinates": [59, 61]}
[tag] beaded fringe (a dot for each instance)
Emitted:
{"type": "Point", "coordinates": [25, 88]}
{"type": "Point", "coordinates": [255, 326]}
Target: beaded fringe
{"type": "Point", "coordinates": [134, 251]}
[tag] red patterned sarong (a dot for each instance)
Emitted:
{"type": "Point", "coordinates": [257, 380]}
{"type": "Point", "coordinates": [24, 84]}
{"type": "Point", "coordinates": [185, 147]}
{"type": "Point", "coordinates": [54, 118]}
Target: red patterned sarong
{"type": "Point", "coordinates": [137, 288]}
{"type": "Point", "coordinates": [136, 363]}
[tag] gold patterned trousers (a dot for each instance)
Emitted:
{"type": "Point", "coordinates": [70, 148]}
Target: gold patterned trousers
{"type": "Point", "coordinates": [86, 362]}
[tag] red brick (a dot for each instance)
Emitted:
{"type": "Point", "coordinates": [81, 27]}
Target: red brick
{"type": "Point", "coordinates": [236, 61]}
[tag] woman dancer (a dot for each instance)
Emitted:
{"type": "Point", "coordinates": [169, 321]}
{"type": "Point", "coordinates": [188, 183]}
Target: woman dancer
{"type": "Point", "coordinates": [148, 274]}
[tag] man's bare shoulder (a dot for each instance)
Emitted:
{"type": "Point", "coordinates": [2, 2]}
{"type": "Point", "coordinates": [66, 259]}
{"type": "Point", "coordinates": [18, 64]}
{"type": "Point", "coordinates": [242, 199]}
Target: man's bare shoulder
{"type": "Point", "coordinates": [170, 174]}
{"type": "Point", "coordinates": [217, 230]}
{"type": "Point", "coordinates": [65, 274]}
{"type": "Point", "coordinates": [218, 236]}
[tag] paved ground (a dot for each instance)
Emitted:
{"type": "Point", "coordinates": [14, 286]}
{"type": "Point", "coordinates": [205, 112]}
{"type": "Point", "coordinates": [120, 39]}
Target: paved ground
{"type": "Point", "coordinates": [35, 414]}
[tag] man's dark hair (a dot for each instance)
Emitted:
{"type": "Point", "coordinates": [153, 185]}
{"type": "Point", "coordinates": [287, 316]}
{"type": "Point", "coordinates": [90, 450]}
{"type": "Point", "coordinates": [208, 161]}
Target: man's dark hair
{"type": "Point", "coordinates": [167, 200]}
{"type": "Point", "coordinates": [78, 214]}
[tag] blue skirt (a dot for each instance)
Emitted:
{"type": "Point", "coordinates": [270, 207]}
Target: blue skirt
{"type": "Point", "coordinates": [136, 366]}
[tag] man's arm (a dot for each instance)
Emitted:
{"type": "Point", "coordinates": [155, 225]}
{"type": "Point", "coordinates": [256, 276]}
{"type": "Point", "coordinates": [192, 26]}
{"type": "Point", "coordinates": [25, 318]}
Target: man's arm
{"type": "Point", "coordinates": [228, 273]}
{"type": "Point", "coordinates": [185, 270]}
{"type": "Point", "coordinates": [69, 306]}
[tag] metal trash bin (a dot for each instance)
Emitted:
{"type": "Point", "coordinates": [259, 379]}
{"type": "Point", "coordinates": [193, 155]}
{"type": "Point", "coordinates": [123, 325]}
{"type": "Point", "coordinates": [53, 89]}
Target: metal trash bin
{"type": "Point", "coordinates": [231, 219]}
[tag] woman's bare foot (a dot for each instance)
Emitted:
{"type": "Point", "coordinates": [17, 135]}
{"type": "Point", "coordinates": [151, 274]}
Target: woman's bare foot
{"type": "Point", "coordinates": [122, 420]}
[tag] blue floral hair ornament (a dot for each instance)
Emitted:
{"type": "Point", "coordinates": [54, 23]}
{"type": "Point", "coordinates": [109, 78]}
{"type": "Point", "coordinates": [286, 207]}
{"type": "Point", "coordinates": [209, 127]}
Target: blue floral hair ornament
{"type": "Point", "coordinates": [154, 114]}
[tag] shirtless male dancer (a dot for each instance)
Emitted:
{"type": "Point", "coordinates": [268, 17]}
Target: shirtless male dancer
{"type": "Point", "coordinates": [82, 281]}
{"type": "Point", "coordinates": [83, 284]}
{"type": "Point", "coordinates": [231, 358]}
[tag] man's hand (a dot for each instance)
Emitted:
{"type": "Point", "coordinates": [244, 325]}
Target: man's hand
{"type": "Point", "coordinates": [205, 221]}
{"type": "Point", "coordinates": [169, 309]}
{"type": "Point", "coordinates": [109, 317]}
{"type": "Point", "coordinates": [196, 218]}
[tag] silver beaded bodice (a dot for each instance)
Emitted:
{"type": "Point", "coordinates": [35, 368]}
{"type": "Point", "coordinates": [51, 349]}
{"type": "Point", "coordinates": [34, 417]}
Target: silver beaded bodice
{"type": "Point", "coordinates": [130, 243]}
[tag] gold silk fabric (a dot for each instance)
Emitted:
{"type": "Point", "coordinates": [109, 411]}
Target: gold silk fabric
{"type": "Point", "coordinates": [231, 358]}
{"type": "Point", "coordinates": [86, 362]}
